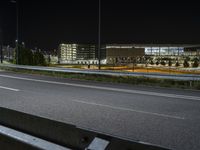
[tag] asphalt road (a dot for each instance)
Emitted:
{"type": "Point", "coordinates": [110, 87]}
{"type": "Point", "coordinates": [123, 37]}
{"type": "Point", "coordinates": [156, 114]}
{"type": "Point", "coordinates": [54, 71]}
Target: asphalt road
{"type": "Point", "coordinates": [161, 116]}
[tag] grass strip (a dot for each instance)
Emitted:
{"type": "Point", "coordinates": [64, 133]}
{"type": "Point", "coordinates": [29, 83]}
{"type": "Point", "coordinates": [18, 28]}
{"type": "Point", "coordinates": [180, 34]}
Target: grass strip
{"type": "Point", "coordinates": [114, 79]}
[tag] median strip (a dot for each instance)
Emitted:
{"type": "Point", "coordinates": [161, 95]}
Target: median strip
{"type": "Point", "coordinates": [153, 79]}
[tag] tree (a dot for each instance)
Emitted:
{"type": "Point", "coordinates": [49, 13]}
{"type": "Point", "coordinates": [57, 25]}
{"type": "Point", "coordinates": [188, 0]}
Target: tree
{"type": "Point", "coordinates": [38, 59]}
{"type": "Point", "coordinates": [170, 63]}
{"type": "Point", "coordinates": [186, 64]}
{"type": "Point", "coordinates": [177, 64]}
{"type": "Point", "coordinates": [152, 63]}
{"type": "Point", "coordinates": [157, 63]}
{"type": "Point", "coordinates": [14, 57]}
{"type": "Point", "coordinates": [195, 59]}
{"type": "Point", "coordinates": [25, 56]}
{"type": "Point", "coordinates": [195, 64]}
{"type": "Point", "coordinates": [163, 63]}
{"type": "Point", "coordinates": [187, 58]}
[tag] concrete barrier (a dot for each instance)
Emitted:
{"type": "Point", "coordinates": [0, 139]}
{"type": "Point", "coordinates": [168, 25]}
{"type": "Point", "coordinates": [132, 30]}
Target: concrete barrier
{"type": "Point", "coordinates": [65, 134]}
{"type": "Point", "coordinates": [58, 132]}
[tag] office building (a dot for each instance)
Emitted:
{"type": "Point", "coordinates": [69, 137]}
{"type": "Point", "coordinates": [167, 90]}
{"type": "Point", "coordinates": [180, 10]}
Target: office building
{"type": "Point", "coordinates": [79, 54]}
{"type": "Point", "coordinates": [67, 53]}
{"type": "Point", "coordinates": [123, 53]}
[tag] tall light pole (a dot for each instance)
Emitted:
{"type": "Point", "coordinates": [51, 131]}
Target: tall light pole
{"type": "Point", "coordinates": [99, 36]}
{"type": "Point", "coordinates": [1, 44]}
{"type": "Point", "coordinates": [17, 30]}
{"type": "Point", "coordinates": [1, 39]}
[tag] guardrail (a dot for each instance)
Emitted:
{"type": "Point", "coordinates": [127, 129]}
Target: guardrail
{"type": "Point", "coordinates": [66, 135]}
{"type": "Point", "coordinates": [106, 72]}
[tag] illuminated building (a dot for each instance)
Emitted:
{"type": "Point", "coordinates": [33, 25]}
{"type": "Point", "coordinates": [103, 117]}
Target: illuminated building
{"type": "Point", "coordinates": [122, 53]}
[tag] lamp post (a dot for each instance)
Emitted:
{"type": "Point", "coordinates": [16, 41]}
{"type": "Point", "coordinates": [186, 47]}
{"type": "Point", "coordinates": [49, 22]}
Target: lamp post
{"type": "Point", "coordinates": [1, 45]}
{"type": "Point", "coordinates": [1, 38]}
{"type": "Point", "coordinates": [99, 36]}
{"type": "Point", "coordinates": [17, 30]}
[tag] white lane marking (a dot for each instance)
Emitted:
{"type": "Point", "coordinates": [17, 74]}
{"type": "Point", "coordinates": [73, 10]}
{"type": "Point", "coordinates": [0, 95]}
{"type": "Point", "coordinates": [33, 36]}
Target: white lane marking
{"type": "Point", "coordinates": [109, 88]}
{"type": "Point", "coordinates": [129, 109]}
{"type": "Point", "coordinates": [11, 89]}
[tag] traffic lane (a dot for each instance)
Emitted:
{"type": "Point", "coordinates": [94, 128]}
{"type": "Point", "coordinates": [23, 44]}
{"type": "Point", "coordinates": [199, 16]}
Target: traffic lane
{"type": "Point", "coordinates": [187, 109]}
{"type": "Point", "coordinates": [48, 111]}
{"type": "Point", "coordinates": [112, 85]}
{"type": "Point", "coordinates": [51, 109]}
{"type": "Point", "coordinates": [169, 132]}
{"type": "Point", "coordinates": [87, 93]}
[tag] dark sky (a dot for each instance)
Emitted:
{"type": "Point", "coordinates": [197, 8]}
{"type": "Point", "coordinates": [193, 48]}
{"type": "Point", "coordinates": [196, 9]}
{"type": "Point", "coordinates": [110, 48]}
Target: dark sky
{"type": "Point", "coordinates": [46, 23]}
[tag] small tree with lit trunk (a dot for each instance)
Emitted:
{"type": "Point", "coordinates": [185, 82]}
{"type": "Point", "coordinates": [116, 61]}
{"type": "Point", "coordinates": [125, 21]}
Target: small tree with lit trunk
{"type": "Point", "coordinates": [177, 64]}
{"type": "Point", "coordinates": [186, 64]}
{"type": "Point", "coordinates": [170, 63]}
{"type": "Point", "coordinates": [195, 64]}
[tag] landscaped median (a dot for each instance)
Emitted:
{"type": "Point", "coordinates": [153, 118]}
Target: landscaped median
{"type": "Point", "coordinates": [135, 80]}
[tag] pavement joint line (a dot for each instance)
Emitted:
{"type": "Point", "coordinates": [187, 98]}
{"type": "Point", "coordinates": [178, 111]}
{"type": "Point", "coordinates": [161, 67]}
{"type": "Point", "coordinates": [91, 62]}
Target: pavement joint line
{"type": "Point", "coordinates": [29, 139]}
{"type": "Point", "coordinates": [7, 88]}
{"type": "Point", "coordinates": [187, 97]}
{"type": "Point", "coordinates": [129, 109]}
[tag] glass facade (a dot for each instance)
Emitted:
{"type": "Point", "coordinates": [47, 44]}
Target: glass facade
{"type": "Point", "coordinates": [86, 52]}
{"type": "Point", "coordinates": [83, 53]}
{"type": "Point", "coordinates": [157, 51]}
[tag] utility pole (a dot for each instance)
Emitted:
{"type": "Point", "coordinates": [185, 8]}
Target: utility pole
{"type": "Point", "coordinates": [1, 35]}
{"type": "Point", "coordinates": [17, 33]}
{"type": "Point", "coordinates": [16, 2]}
{"type": "Point", "coordinates": [99, 36]}
{"type": "Point", "coordinates": [1, 45]}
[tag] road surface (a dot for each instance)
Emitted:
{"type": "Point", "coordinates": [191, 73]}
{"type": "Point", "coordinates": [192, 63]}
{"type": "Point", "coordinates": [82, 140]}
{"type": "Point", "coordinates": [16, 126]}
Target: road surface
{"type": "Point", "coordinates": [161, 116]}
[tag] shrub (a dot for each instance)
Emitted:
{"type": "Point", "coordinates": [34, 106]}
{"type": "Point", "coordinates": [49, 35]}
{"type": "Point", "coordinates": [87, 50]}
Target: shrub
{"type": "Point", "coordinates": [152, 63]}
{"type": "Point", "coordinates": [195, 64]}
{"type": "Point", "coordinates": [186, 64]}
{"type": "Point", "coordinates": [177, 64]}
{"type": "Point", "coordinates": [163, 63]}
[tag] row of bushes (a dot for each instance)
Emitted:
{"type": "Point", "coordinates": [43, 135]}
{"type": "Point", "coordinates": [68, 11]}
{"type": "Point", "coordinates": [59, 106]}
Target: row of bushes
{"type": "Point", "coordinates": [177, 64]}
{"type": "Point", "coordinates": [27, 57]}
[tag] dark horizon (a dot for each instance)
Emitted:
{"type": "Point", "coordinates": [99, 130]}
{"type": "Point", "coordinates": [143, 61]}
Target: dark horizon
{"type": "Point", "coordinates": [46, 24]}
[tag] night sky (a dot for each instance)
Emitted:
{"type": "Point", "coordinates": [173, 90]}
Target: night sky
{"type": "Point", "coordinates": [46, 23]}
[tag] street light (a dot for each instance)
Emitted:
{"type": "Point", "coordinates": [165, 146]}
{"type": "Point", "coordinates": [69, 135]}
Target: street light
{"type": "Point", "coordinates": [1, 45]}
{"type": "Point", "coordinates": [17, 30]}
{"type": "Point", "coordinates": [99, 36]}
{"type": "Point", "coordinates": [1, 39]}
